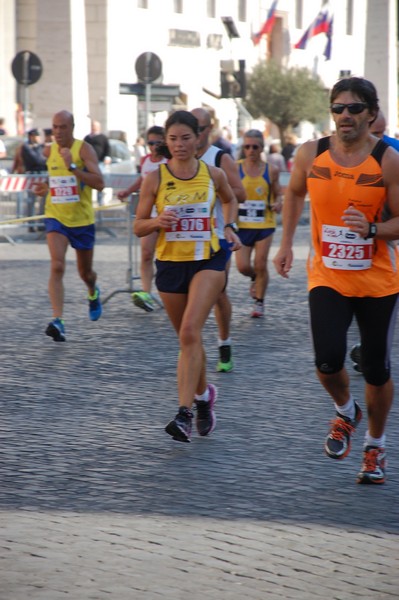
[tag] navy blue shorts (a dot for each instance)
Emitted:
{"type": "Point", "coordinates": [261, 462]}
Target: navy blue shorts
{"type": "Point", "coordinates": [80, 238]}
{"type": "Point", "coordinates": [249, 237]}
{"type": "Point", "coordinates": [175, 277]}
{"type": "Point", "coordinates": [226, 246]}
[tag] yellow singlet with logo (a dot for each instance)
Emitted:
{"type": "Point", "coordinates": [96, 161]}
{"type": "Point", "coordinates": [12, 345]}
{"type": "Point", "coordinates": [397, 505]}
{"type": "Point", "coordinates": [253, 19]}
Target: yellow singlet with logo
{"type": "Point", "coordinates": [69, 201]}
{"type": "Point", "coordinates": [255, 212]}
{"type": "Point", "coordinates": [194, 236]}
{"type": "Point", "coordinates": [339, 258]}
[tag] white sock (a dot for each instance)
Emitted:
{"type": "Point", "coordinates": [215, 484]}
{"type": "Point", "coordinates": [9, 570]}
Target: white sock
{"type": "Point", "coordinates": [224, 342]}
{"type": "Point", "coordinates": [377, 442]}
{"type": "Point", "coordinates": [203, 397]}
{"type": "Point", "coordinates": [348, 409]}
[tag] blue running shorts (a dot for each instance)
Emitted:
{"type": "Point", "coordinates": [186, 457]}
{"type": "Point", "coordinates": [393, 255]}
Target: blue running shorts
{"type": "Point", "coordinates": [80, 238]}
{"type": "Point", "coordinates": [226, 246]}
{"type": "Point", "coordinates": [249, 237]}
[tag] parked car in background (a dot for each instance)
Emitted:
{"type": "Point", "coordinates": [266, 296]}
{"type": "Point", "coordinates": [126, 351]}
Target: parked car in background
{"type": "Point", "coordinates": [121, 158]}
{"type": "Point", "coordinates": [120, 172]}
{"type": "Point", "coordinates": [11, 143]}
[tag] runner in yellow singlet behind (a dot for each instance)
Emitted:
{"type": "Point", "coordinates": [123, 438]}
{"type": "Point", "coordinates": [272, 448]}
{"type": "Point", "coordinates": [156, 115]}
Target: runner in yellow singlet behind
{"type": "Point", "coordinates": [257, 217]}
{"type": "Point", "coordinates": [73, 172]}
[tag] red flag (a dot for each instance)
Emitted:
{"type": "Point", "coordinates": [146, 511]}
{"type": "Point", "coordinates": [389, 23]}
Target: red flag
{"type": "Point", "coordinates": [268, 24]}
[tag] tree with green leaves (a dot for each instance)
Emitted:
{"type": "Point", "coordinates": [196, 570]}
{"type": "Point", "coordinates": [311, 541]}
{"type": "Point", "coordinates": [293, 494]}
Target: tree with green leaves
{"type": "Point", "coordinates": [285, 96]}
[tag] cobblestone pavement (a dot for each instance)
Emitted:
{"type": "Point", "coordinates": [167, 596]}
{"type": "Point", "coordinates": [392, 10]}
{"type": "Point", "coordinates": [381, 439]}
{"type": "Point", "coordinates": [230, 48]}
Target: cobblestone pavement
{"type": "Point", "coordinates": [97, 502]}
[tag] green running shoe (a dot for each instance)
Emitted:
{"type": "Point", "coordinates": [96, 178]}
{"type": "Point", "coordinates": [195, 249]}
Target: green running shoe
{"type": "Point", "coordinates": [143, 300]}
{"type": "Point", "coordinates": [225, 364]}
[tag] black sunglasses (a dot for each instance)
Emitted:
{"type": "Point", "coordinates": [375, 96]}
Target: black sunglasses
{"type": "Point", "coordinates": [151, 143]}
{"type": "Point", "coordinates": [202, 128]}
{"type": "Point", "coordinates": [253, 146]}
{"type": "Point", "coordinates": [355, 108]}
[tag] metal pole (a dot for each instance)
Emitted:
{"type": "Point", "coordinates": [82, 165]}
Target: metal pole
{"type": "Point", "coordinates": [129, 272]}
{"type": "Point", "coordinates": [147, 105]}
{"type": "Point", "coordinates": [25, 105]}
{"type": "Point", "coordinates": [25, 78]}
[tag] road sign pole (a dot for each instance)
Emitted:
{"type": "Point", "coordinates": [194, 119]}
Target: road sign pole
{"type": "Point", "coordinates": [25, 79]}
{"type": "Point", "coordinates": [25, 102]}
{"type": "Point", "coordinates": [148, 69]}
{"type": "Point", "coordinates": [147, 105]}
{"type": "Point", "coordinates": [27, 69]}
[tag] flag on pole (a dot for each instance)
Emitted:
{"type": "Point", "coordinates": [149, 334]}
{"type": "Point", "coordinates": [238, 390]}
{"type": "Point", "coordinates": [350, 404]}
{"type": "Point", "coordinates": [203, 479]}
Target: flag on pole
{"type": "Point", "coordinates": [319, 25]}
{"type": "Point", "coordinates": [327, 50]}
{"type": "Point", "coordinates": [268, 24]}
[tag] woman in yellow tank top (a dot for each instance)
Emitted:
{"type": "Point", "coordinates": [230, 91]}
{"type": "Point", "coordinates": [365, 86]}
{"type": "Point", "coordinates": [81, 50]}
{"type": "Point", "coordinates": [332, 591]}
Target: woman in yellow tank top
{"type": "Point", "coordinates": [190, 263]}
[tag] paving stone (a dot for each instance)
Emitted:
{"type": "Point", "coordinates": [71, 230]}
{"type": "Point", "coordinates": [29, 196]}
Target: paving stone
{"type": "Point", "coordinates": [96, 502]}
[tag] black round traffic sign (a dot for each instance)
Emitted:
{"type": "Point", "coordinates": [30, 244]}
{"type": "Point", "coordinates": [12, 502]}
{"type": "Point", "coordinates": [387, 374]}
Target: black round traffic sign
{"type": "Point", "coordinates": [26, 67]}
{"type": "Point", "coordinates": [148, 67]}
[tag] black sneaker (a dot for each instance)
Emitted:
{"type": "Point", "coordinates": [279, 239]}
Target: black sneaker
{"type": "Point", "coordinates": [180, 427]}
{"type": "Point", "coordinates": [56, 330]}
{"type": "Point", "coordinates": [206, 418]}
{"type": "Point", "coordinates": [225, 364]}
{"type": "Point", "coordinates": [373, 467]}
{"type": "Point", "coordinates": [356, 357]}
{"type": "Point", "coordinates": [338, 441]}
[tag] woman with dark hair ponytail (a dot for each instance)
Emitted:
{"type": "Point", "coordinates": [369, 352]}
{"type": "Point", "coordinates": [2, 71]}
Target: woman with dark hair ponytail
{"type": "Point", "coordinates": [190, 262]}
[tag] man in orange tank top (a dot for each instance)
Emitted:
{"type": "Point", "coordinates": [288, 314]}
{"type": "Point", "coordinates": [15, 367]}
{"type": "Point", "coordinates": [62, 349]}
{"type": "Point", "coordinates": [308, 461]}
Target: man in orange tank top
{"type": "Point", "coordinates": [377, 128]}
{"type": "Point", "coordinates": [353, 184]}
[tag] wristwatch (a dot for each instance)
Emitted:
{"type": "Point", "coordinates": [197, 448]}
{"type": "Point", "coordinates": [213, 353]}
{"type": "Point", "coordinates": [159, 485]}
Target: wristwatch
{"type": "Point", "coordinates": [372, 231]}
{"type": "Point", "coordinates": [232, 226]}
{"type": "Point", "coordinates": [72, 167]}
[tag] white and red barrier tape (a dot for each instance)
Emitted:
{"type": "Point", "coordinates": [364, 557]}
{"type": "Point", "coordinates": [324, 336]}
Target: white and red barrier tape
{"type": "Point", "coordinates": [20, 183]}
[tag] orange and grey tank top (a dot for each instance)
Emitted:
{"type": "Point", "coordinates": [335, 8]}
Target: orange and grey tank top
{"type": "Point", "coordinates": [69, 200]}
{"type": "Point", "coordinates": [256, 212]}
{"type": "Point", "coordinates": [194, 236]}
{"type": "Point", "coordinates": [340, 258]}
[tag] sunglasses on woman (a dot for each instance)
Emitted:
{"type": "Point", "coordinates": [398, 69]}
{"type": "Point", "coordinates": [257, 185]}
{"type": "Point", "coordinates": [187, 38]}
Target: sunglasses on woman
{"type": "Point", "coordinates": [355, 108]}
{"type": "Point", "coordinates": [152, 143]}
{"type": "Point", "coordinates": [253, 146]}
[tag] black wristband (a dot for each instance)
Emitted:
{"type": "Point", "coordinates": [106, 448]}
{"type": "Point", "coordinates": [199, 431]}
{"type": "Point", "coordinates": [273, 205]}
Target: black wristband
{"type": "Point", "coordinates": [372, 232]}
{"type": "Point", "coordinates": [232, 226]}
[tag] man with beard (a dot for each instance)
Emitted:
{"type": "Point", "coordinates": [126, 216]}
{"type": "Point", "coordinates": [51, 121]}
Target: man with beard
{"type": "Point", "coordinates": [377, 128]}
{"type": "Point", "coordinates": [353, 184]}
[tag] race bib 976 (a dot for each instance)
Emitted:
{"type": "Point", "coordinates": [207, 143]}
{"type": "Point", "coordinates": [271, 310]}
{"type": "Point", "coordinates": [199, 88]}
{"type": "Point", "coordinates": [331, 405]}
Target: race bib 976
{"type": "Point", "coordinates": [194, 223]}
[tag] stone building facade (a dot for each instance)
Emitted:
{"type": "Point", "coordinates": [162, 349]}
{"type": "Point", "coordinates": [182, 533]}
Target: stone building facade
{"type": "Point", "coordinates": [89, 47]}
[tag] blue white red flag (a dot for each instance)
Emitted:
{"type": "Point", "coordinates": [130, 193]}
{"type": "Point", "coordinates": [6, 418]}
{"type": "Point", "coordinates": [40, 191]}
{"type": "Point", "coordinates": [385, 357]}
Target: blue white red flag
{"type": "Point", "coordinates": [319, 25]}
{"type": "Point", "coordinates": [268, 24]}
{"type": "Point", "coordinates": [327, 50]}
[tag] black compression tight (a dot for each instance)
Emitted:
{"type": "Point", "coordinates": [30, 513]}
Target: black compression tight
{"type": "Point", "coordinates": [331, 315]}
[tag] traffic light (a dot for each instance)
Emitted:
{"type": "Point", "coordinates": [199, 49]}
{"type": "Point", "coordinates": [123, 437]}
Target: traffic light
{"type": "Point", "coordinates": [232, 79]}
